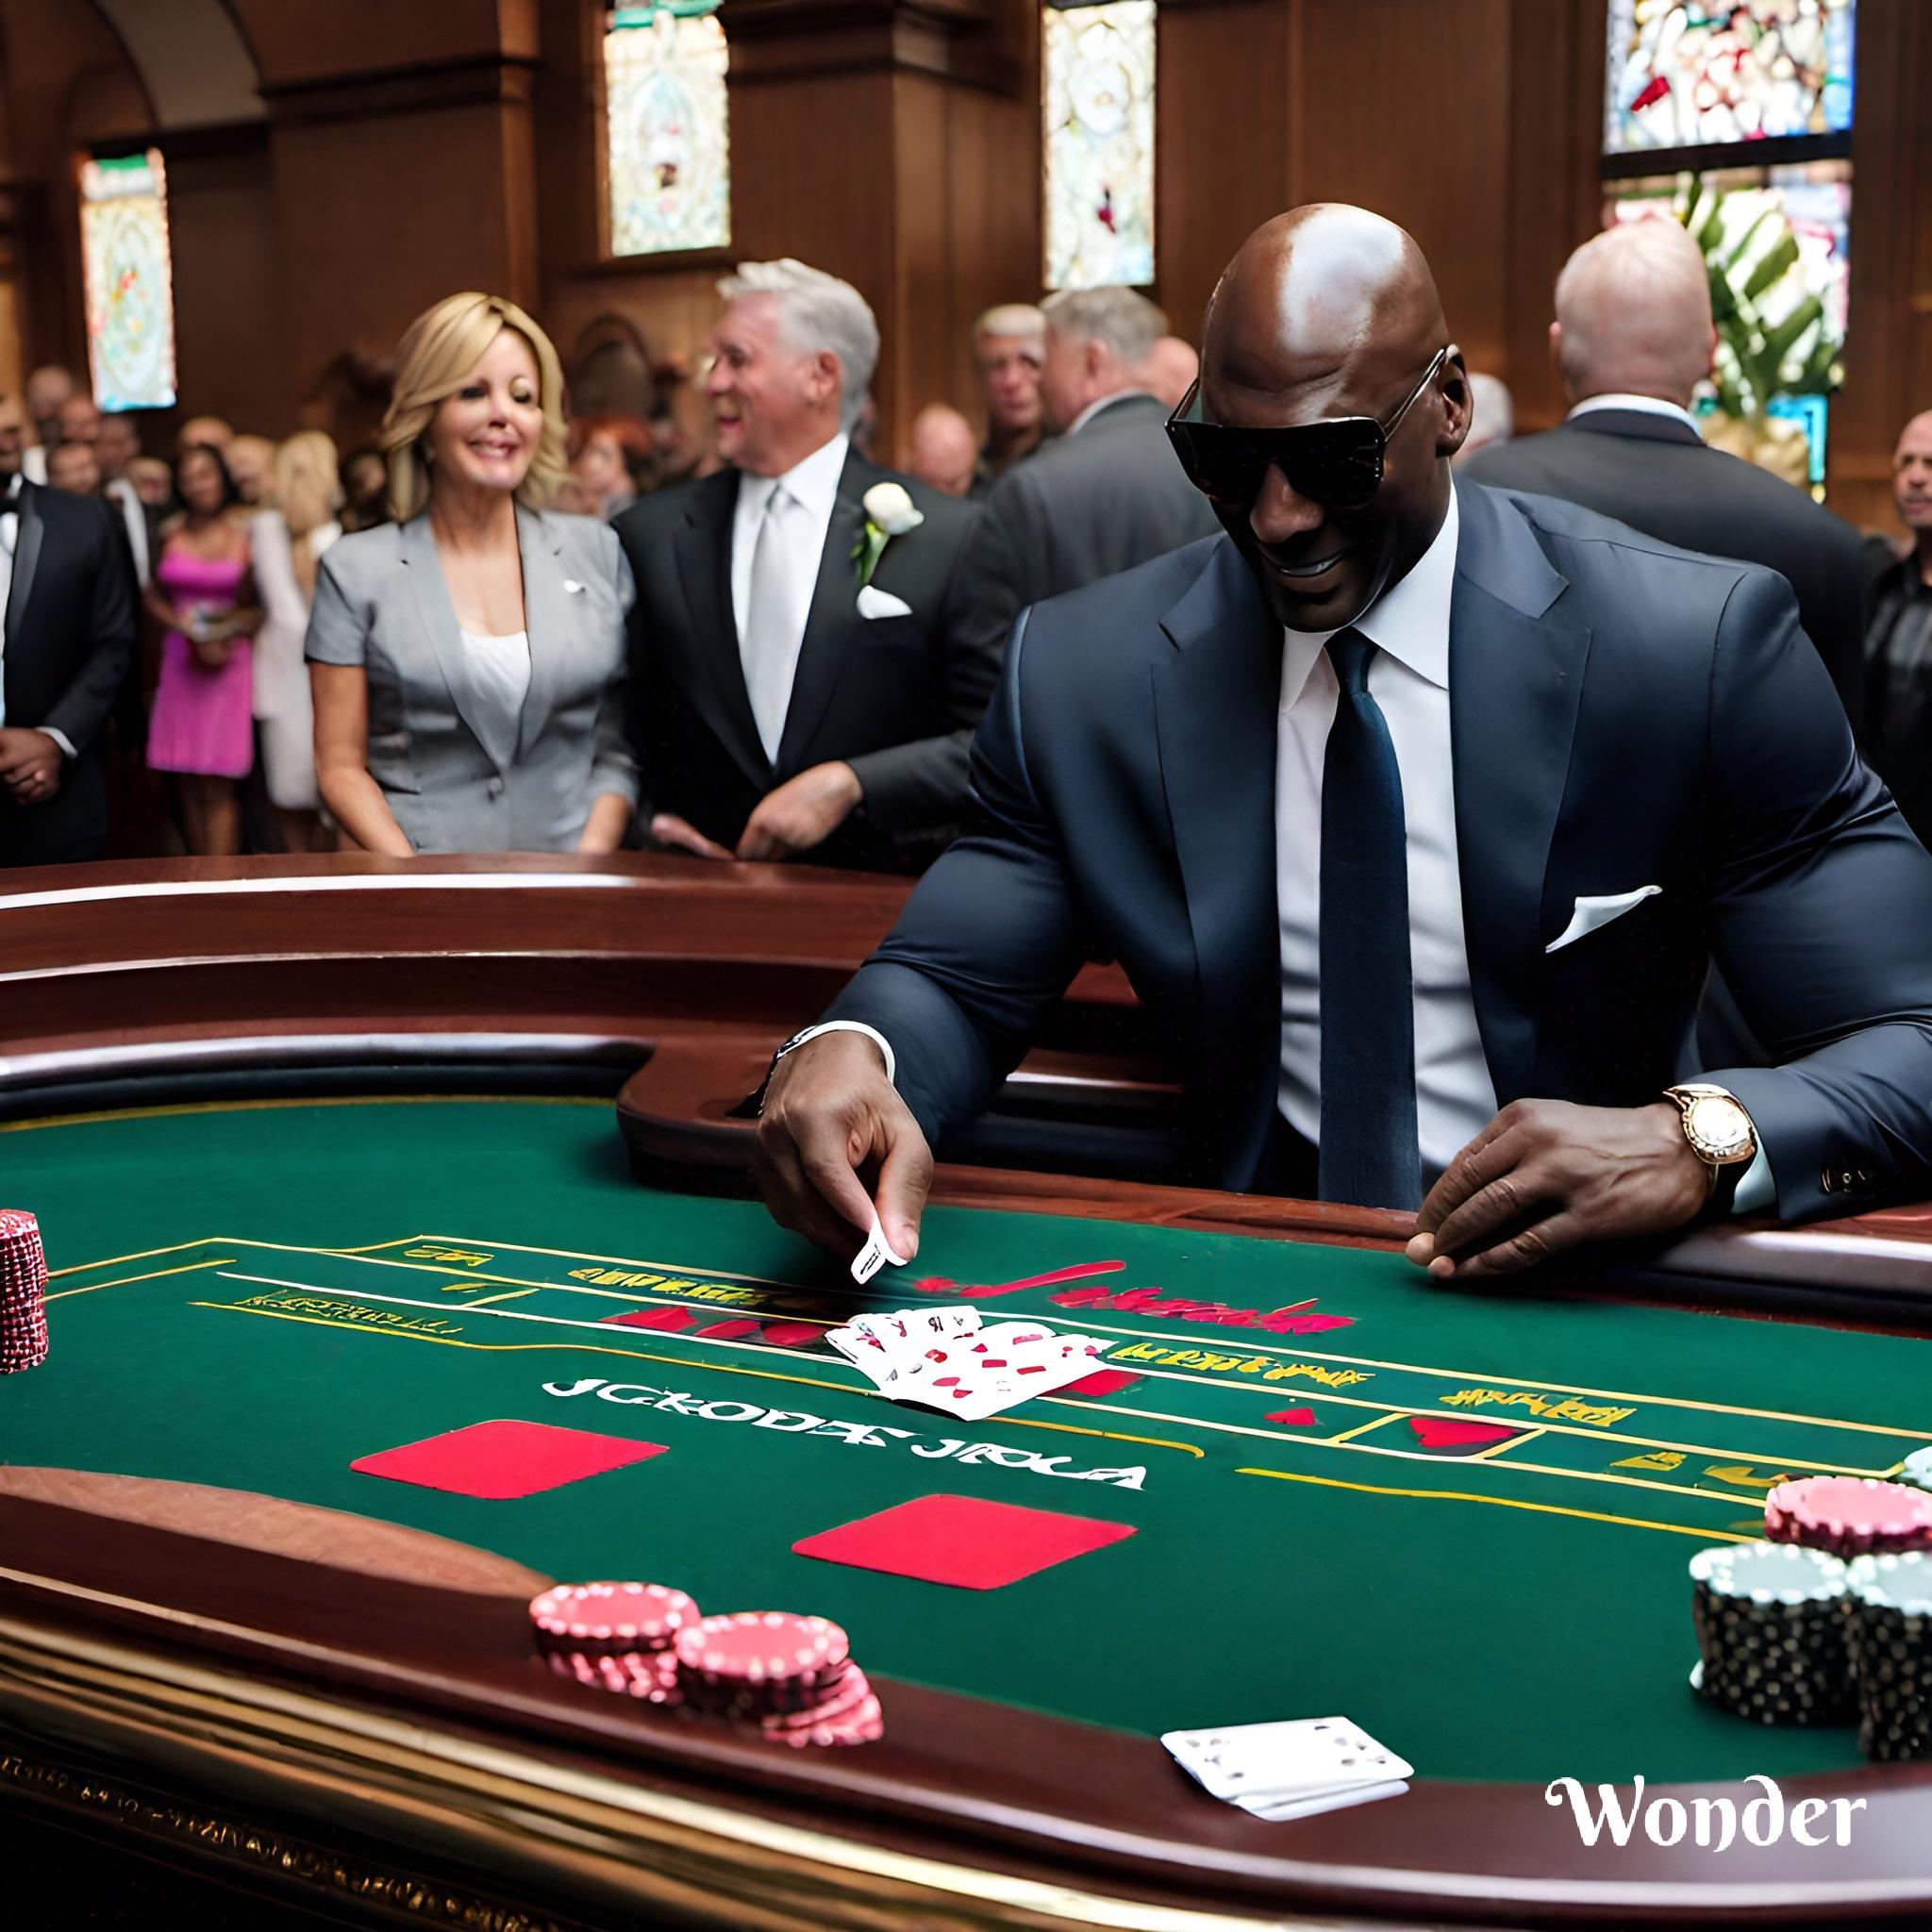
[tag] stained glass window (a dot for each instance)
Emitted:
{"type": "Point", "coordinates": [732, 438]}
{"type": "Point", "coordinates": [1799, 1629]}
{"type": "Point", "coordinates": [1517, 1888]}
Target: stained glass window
{"type": "Point", "coordinates": [1099, 127]}
{"type": "Point", "coordinates": [669, 128]}
{"type": "Point", "coordinates": [130, 289]}
{"type": "Point", "coordinates": [1691, 72]}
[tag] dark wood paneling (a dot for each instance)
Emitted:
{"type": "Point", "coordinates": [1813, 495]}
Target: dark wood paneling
{"type": "Point", "coordinates": [1229, 121]}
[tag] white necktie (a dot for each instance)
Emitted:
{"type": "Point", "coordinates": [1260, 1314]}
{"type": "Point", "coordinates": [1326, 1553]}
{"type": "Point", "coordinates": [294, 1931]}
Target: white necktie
{"type": "Point", "coordinates": [774, 622]}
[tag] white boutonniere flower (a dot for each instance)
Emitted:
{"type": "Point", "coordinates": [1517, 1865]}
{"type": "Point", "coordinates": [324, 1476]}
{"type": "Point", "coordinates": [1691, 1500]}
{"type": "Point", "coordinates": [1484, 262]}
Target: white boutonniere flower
{"type": "Point", "coordinates": [889, 513]}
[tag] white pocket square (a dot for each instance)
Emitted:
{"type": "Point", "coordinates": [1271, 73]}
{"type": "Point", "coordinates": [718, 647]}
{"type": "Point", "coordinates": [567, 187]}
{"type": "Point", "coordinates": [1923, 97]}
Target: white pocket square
{"type": "Point", "coordinates": [1598, 909]}
{"type": "Point", "coordinates": [873, 602]}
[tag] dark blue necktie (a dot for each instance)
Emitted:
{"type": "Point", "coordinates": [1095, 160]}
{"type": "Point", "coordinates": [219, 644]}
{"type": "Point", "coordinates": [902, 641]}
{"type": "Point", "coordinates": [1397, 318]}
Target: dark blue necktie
{"type": "Point", "coordinates": [1368, 1152]}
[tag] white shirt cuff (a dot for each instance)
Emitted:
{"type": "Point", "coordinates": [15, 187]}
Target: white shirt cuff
{"type": "Point", "coordinates": [871, 1033]}
{"type": "Point", "coordinates": [1757, 1190]}
{"type": "Point", "coordinates": [61, 739]}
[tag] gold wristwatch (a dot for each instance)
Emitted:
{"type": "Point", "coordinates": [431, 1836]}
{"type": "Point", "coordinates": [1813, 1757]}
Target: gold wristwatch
{"type": "Point", "coordinates": [1718, 1129]}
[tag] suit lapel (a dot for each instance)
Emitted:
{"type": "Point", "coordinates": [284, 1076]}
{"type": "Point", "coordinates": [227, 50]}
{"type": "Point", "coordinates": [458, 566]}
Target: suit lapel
{"type": "Point", "coordinates": [703, 545]}
{"type": "Point", "coordinates": [436, 616]}
{"type": "Point", "coordinates": [832, 623]}
{"type": "Point", "coordinates": [547, 619]}
{"type": "Point", "coordinates": [1215, 702]}
{"type": "Point", "coordinates": [28, 533]}
{"type": "Point", "coordinates": [1515, 682]}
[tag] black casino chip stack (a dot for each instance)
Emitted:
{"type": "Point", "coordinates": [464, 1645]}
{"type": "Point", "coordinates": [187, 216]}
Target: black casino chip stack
{"type": "Point", "coordinates": [1772, 1633]}
{"type": "Point", "coordinates": [1889, 1620]}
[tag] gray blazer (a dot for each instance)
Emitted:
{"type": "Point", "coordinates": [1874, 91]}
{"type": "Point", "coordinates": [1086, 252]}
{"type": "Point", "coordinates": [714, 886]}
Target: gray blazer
{"type": "Point", "coordinates": [381, 603]}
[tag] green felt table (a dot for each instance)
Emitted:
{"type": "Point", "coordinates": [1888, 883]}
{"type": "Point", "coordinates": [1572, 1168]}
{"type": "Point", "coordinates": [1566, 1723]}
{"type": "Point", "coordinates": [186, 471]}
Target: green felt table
{"type": "Point", "coordinates": [255, 1297]}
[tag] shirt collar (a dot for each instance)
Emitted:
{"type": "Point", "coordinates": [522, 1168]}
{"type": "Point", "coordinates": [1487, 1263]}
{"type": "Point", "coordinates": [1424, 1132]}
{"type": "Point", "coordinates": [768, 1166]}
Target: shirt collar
{"type": "Point", "coordinates": [1093, 409]}
{"type": "Point", "coordinates": [1645, 406]}
{"type": "Point", "coordinates": [9, 495]}
{"type": "Point", "coordinates": [1409, 620]}
{"type": "Point", "coordinates": [813, 481]}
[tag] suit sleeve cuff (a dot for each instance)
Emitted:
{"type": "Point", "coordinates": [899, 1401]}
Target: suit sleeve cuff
{"type": "Point", "coordinates": [61, 739]}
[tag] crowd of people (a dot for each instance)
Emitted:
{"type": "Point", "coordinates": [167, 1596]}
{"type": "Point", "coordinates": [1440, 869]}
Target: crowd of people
{"type": "Point", "coordinates": [514, 625]}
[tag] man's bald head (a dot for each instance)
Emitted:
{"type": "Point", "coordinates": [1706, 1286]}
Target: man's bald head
{"type": "Point", "coordinates": [1330, 311]}
{"type": "Point", "coordinates": [945, 453]}
{"type": "Point", "coordinates": [1633, 314]}
{"type": "Point", "coordinates": [1912, 479]}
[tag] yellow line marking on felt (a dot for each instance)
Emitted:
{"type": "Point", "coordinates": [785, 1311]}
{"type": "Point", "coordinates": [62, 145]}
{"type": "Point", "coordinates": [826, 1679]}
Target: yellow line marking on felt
{"type": "Point", "coordinates": [485, 1301]}
{"type": "Point", "coordinates": [1363, 1428]}
{"type": "Point", "coordinates": [675, 1362]}
{"type": "Point", "coordinates": [128, 1280]}
{"type": "Point", "coordinates": [1329, 1482]}
{"type": "Point", "coordinates": [220, 1241]}
{"type": "Point", "coordinates": [1503, 1448]}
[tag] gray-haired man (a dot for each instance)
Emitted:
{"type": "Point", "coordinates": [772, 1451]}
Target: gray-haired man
{"type": "Point", "coordinates": [803, 682]}
{"type": "Point", "coordinates": [1109, 494]}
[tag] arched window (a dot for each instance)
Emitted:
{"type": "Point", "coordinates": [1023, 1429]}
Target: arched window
{"type": "Point", "coordinates": [1097, 89]}
{"type": "Point", "coordinates": [668, 127]}
{"type": "Point", "coordinates": [130, 291]}
{"type": "Point", "coordinates": [1737, 119]}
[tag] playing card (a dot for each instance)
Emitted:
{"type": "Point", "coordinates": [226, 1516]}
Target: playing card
{"type": "Point", "coordinates": [1279, 1811]}
{"type": "Point", "coordinates": [873, 1254]}
{"type": "Point", "coordinates": [1279, 1764]}
{"type": "Point", "coordinates": [976, 1376]}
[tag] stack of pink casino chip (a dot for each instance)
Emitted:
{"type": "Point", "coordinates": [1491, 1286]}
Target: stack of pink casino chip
{"type": "Point", "coordinates": [1849, 1516]}
{"type": "Point", "coordinates": [22, 1292]}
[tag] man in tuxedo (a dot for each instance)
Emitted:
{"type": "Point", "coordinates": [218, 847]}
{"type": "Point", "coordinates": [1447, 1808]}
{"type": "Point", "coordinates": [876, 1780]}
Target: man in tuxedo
{"type": "Point", "coordinates": [1415, 811]}
{"type": "Point", "coordinates": [801, 682]}
{"type": "Point", "coordinates": [1633, 337]}
{"type": "Point", "coordinates": [1108, 494]}
{"type": "Point", "coordinates": [66, 644]}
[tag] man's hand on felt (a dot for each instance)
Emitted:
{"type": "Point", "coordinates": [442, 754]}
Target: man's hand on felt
{"type": "Point", "coordinates": [832, 1119]}
{"type": "Point", "coordinates": [802, 813]}
{"type": "Point", "coordinates": [1546, 1176]}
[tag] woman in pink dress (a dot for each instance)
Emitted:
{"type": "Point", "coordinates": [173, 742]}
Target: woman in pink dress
{"type": "Point", "coordinates": [202, 726]}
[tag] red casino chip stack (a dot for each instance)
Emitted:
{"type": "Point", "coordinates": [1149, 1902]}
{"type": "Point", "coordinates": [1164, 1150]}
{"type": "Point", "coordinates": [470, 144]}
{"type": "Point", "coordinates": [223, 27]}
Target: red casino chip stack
{"type": "Point", "coordinates": [1849, 1516]}
{"type": "Point", "coordinates": [793, 1676]}
{"type": "Point", "coordinates": [22, 1292]}
{"type": "Point", "coordinates": [615, 1636]}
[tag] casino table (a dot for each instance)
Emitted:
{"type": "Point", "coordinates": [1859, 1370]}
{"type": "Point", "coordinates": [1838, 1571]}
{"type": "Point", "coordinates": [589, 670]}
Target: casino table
{"type": "Point", "coordinates": [402, 1263]}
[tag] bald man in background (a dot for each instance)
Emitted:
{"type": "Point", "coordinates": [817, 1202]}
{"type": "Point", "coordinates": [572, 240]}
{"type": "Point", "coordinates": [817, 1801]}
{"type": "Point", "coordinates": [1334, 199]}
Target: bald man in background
{"type": "Point", "coordinates": [944, 456]}
{"type": "Point", "coordinates": [1633, 337]}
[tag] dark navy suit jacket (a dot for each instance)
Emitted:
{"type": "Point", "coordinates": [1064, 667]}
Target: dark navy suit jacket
{"type": "Point", "coordinates": [1622, 714]}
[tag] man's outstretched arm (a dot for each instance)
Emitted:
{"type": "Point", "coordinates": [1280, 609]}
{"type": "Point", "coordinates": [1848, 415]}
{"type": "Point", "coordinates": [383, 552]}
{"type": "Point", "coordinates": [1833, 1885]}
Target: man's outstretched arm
{"type": "Point", "coordinates": [991, 938]}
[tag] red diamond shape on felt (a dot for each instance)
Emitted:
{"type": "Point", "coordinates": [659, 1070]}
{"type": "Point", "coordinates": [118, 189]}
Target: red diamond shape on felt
{"type": "Point", "coordinates": [963, 1540]}
{"type": "Point", "coordinates": [498, 1460]}
{"type": "Point", "coordinates": [1451, 1432]}
{"type": "Point", "coordinates": [1295, 1417]}
{"type": "Point", "coordinates": [1102, 1382]}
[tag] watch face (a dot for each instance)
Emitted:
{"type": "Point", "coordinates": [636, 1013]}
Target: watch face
{"type": "Point", "coordinates": [1720, 1126]}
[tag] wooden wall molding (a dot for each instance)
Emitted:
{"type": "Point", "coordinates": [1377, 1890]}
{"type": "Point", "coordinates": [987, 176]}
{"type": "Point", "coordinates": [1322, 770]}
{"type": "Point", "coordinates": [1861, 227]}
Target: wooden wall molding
{"type": "Point", "coordinates": [421, 87]}
{"type": "Point", "coordinates": [954, 40]}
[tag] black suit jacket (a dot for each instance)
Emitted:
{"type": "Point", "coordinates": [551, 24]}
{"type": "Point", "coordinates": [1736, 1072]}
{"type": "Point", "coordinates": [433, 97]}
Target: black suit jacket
{"type": "Point", "coordinates": [1088, 506]}
{"type": "Point", "coordinates": [1622, 714]}
{"type": "Point", "coordinates": [896, 698]}
{"type": "Point", "coordinates": [1656, 475]}
{"type": "Point", "coordinates": [70, 648]}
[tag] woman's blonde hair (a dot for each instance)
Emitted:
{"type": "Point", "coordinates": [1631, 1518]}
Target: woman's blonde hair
{"type": "Point", "coordinates": [309, 489]}
{"type": "Point", "coordinates": [436, 355]}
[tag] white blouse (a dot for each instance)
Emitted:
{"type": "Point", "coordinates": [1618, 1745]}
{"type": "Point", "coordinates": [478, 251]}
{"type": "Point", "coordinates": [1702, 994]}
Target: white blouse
{"type": "Point", "coordinates": [500, 670]}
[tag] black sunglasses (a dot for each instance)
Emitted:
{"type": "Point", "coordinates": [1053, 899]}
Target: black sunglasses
{"type": "Point", "coordinates": [1335, 463]}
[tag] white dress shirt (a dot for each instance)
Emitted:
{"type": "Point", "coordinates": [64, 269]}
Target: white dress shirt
{"type": "Point", "coordinates": [813, 487]}
{"type": "Point", "coordinates": [499, 681]}
{"type": "Point", "coordinates": [127, 499]}
{"type": "Point", "coordinates": [1645, 406]}
{"type": "Point", "coordinates": [1408, 678]}
{"type": "Point", "coordinates": [10, 538]}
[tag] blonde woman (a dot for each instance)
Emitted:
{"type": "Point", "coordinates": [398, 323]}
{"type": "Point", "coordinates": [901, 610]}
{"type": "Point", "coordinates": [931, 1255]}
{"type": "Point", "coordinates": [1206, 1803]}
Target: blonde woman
{"type": "Point", "coordinates": [467, 660]}
{"type": "Point", "coordinates": [288, 545]}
